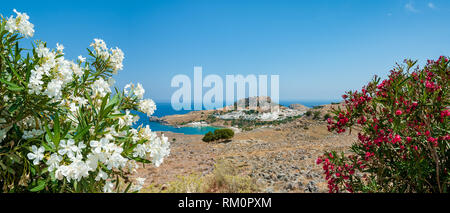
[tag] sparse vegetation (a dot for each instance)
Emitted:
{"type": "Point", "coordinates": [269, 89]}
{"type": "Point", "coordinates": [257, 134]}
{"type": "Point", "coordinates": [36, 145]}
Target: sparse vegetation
{"type": "Point", "coordinates": [316, 115]}
{"type": "Point", "coordinates": [219, 134]}
{"type": "Point", "coordinates": [247, 125]}
{"type": "Point", "coordinates": [224, 179]}
{"type": "Point", "coordinates": [308, 113]}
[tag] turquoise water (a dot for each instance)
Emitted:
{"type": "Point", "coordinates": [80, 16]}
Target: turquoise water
{"type": "Point", "coordinates": [156, 126]}
{"type": "Point", "coordinates": [164, 109]}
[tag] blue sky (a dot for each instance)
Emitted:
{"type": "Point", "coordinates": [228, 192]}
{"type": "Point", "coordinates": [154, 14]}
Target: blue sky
{"type": "Point", "coordinates": [319, 48]}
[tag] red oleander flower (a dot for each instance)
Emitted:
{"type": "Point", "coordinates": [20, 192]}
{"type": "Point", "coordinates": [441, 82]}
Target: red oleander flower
{"type": "Point", "coordinates": [398, 118]}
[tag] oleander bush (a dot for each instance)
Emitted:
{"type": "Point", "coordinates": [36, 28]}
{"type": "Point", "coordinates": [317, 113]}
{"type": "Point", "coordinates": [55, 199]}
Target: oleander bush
{"type": "Point", "coordinates": [62, 127]}
{"type": "Point", "coordinates": [403, 144]}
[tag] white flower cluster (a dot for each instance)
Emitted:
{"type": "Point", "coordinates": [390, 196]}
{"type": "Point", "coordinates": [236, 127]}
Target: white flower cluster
{"type": "Point", "coordinates": [57, 71]}
{"type": "Point", "coordinates": [128, 119]}
{"type": "Point", "coordinates": [155, 148]}
{"type": "Point", "coordinates": [74, 103]}
{"type": "Point", "coordinates": [68, 162]}
{"type": "Point", "coordinates": [102, 156]}
{"type": "Point", "coordinates": [100, 88]}
{"type": "Point", "coordinates": [138, 90]}
{"type": "Point", "coordinates": [115, 56]}
{"type": "Point", "coordinates": [20, 24]}
{"type": "Point", "coordinates": [147, 106]}
{"type": "Point", "coordinates": [139, 183]}
{"type": "Point", "coordinates": [32, 133]}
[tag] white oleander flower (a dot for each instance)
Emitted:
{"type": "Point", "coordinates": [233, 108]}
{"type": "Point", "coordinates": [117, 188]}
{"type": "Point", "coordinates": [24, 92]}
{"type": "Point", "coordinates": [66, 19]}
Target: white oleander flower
{"type": "Point", "coordinates": [132, 166]}
{"type": "Point", "coordinates": [31, 134]}
{"type": "Point", "coordinates": [155, 147]}
{"type": "Point", "coordinates": [59, 47]}
{"type": "Point", "coordinates": [127, 87]}
{"type": "Point", "coordinates": [92, 160]}
{"type": "Point", "coordinates": [100, 48]}
{"type": "Point", "coordinates": [139, 91]}
{"type": "Point", "coordinates": [78, 169]}
{"type": "Point", "coordinates": [108, 187]}
{"type": "Point", "coordinates": [137, 186]}
{"type": "Point", "coordinates": [63, 70]}
{"type": "Point", "coordinates": [134, 135]}
{"type": "Point", "coordinates": [35, 84]}
{"type": "Point", "coordinates": [20, 24]}
{"type": "Point", "coordinates": [116, 160]}
{"type": "Point", "coordinates": [67, 148]}
{"type": "Point", "coordinates": [53, 162]}
{"type": "Point", "coordinates": [76, 69]}
{"type": "Point", "coordinates": [140, 180]}
{"type": "Point", "coordinates": [81, 58]}
{"type": "Point", "coordinates": [126, 120]}
{"type": "Point", "coordinates": [42, 51]}
{"type": "Point", "coordinates": [111, 82]}
{"type": "Point", "coordinates": [101, 175]}
{"type": "Point", "coordinates": [36, 154]}
{"type": "Point", "coordinates": [159, 149]}
{"type": "Point", "coordinates": [146, 133]}
{"type": "Point", "coordinates": [95, 146]}
{"type": "Point", "coordinates": [116, 59]}
{"type": "Point", "coordinates": [139, 151]}
{"type": "Point", "coordinates": [100, 87]}
{"type": "Point", "coordinates": [147, 106]}
{"type": "Point", "coordinates": [77, 149]}
{"type": "Point", "coordinates": [54, 89]}
{"type": "Point", "coordinates": [61, 172]}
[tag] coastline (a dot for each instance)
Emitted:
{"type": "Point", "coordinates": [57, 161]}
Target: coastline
{"type": "Point", "coordinates": [279, 158]}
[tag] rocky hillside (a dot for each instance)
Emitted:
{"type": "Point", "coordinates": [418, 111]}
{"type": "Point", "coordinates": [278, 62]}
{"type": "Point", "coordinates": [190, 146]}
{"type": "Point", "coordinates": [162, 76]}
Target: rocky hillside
{"type": "Point", "coordinates": [279, 158]}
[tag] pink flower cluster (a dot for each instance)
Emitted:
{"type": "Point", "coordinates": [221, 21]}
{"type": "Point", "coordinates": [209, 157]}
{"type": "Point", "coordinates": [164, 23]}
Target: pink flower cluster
{"type": "Point", "coordinates": [404, 119]}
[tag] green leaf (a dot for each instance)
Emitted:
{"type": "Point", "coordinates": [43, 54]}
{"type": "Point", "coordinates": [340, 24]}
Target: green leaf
{"type": "Point", "coordinates": [11, 86]}
{"type": "Point", "coordinates": [56, 129]}
{"type": "Point", "coordinates": [104, 101]}
{"type": "Point", "coordinates": [47, 147]}
{"type": "Point", "coordinates": [32, 170]}
{"type": "Point", "coordinates": [128, 187]}
{"type": "Point", "coordinates": [82, 132]}
{"type": "Point", "coordinates": [49, 135]}
{"type": "Point", "coordinates": [39, 187]}
{"type": "Point", "coordinates": [2, 165]}
{"type": "Point", "coordinates": [10, 170]}
{"type": "Point", "coordinates": [12, 69]}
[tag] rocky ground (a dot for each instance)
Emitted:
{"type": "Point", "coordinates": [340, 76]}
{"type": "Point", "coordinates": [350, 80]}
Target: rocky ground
{"type": "Point", "coordinates": [280, 158]}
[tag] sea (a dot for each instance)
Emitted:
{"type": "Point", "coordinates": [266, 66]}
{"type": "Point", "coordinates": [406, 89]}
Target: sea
{"type": "Point", "coordinates": [164, 109]}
